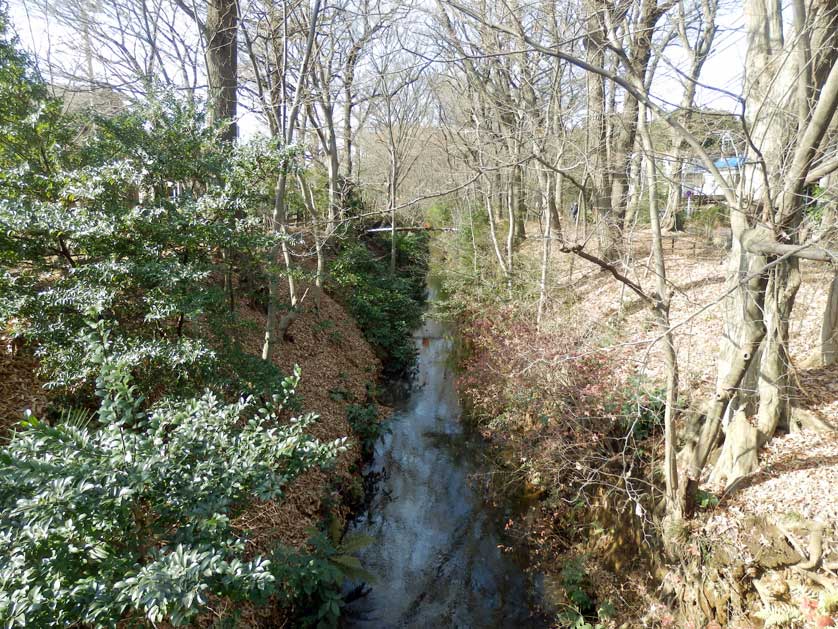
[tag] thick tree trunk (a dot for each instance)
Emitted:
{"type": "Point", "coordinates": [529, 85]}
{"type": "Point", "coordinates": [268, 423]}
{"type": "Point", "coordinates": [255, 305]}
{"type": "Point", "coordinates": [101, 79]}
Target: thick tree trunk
{"type": "Point", "coordinates": [779, 170]}
{"type": "Point", "coordinates": [221, 29]}
{"type": "Point", "coordinates": [738, 456]}
{"type": "Point", "coordinates": [744, 330]}
{"type": "Point", "coordinates": [745, 326]}
{"type": "Point", "coordinates": [222, 63]}
{"type": "Point", "coordinates": [775, 387]}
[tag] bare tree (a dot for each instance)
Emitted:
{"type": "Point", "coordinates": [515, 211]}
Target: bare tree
{"type": "Point", "coordinates": [271, 37]}
{"type": "Point", "coordinates": [701, 20]}
{"type": "Point", "coordinates": [791, 98]}
{"type": "Point", "coordinates": [786, 141]}
{"type": "Point", "coordinates": [398, 124]}
{"type": "Point", "coordinates": [131, 46]}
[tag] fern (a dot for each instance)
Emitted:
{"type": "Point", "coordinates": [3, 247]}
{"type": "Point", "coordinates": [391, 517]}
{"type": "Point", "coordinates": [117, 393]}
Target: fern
{"type": "Point", "coordinates": [76, 417]}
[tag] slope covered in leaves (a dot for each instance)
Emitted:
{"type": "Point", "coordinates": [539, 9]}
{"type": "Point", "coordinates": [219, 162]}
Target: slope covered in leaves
{"type": "Point", "coordinates": [573, 411]}
{"type": "Point", "coordinates": [339, 369]}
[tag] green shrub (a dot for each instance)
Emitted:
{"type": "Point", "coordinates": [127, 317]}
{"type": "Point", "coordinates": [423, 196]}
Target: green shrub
{"type": "Point", "coordinates": [87, 244]}
{"type": "Point", "coordinates": [576, 586]}
{"type": "Point", "coordinates": [708, 217]}
{"type": "Point", "coordinates": [366, 425]}
{"type": "Point", "coordinates": [642, 409]}
{"type": "Point", "coordinates": [115, 236]}
{"type": "Point", "coordinates": [706, 500]}
{"type": "Point", "coordinates": [311, 581]}
{"type": "Point", "coordinates": [386, 307]}
{"type": "Point", "coordinates": [439, 215]}
{"type": "Point", "coordinates": [412, 261]}
{"type": "Point", "coordinates": [132, 517]}
{"type": "Point", "coordinates": [578, 589]}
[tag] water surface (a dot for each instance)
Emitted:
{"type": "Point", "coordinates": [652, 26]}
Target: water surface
{"type": "Point", "coordinates": [436, 553]}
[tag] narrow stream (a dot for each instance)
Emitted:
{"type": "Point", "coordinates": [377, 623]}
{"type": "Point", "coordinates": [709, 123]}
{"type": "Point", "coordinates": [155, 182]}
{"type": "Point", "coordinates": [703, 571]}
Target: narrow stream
{"type": "Point", "coordinates": [436, 552]}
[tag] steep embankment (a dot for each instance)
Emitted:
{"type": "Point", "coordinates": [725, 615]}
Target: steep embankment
{"type": "Point", "coordinates": [340, 346]}
{"type": "Point", "coordinates": [338, 367]}
{"type": "Point", "coordinates": [573, 413]}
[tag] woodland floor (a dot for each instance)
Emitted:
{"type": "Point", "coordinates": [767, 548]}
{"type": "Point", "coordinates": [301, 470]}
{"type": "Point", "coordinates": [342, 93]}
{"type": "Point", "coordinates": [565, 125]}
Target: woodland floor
{"type": "Point", "coordinates": [798, 474]}
{"type": "Point", "coordinates": [695, 270]}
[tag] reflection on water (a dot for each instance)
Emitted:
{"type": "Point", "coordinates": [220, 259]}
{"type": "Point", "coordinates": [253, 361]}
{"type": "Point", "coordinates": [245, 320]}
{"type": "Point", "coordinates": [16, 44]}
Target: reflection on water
{"type": "Point", "coordinates": [436, 553]}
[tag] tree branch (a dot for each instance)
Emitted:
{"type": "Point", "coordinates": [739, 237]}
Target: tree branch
{"type": "Point", "coordinates": [606, 266]}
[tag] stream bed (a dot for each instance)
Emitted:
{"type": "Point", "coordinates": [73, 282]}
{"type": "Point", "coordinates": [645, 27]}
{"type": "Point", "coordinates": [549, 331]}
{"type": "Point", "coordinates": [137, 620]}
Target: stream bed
{"type": "Point", "coordinates": [436, 553]}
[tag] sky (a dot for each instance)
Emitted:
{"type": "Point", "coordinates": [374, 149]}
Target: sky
{"type": "Point", "coordinates": [726, 66]}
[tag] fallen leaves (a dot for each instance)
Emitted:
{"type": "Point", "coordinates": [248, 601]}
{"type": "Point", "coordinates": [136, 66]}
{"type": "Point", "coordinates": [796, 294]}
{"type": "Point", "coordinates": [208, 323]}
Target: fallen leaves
{"type": "Point", "coordinates": [20, 388]}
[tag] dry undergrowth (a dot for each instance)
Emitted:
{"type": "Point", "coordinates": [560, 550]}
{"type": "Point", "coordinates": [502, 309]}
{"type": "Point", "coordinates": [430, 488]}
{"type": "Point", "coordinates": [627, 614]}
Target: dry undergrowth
{"type": "Point", "coordinates": [20, 388]}
{"type": "Point", "coordinates": [798, 477]}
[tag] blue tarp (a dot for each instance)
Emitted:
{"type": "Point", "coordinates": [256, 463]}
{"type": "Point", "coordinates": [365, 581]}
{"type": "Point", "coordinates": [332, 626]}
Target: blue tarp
{"type": "Point", "coordinates": [729, 162]}
{"type": "Point", "coordinates": [725, 163]}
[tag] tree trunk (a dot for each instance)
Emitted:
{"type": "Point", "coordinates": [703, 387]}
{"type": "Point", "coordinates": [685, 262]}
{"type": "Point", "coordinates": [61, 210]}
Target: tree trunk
{"type": "Point", "coordinates": [698, 52]}
{"type": "Point", "coordinates": [348, 95]}
{"type": "Point", "coordinates": [545, 262]}
{"type": "Point", "coordinates": [636, 188]}
{"type": "Point", "coordinates": [474, 252]}
{"type": "Point", "coordinates": [520, 196]}
{"type": "Point", "coordinates": [775, 387]}
{"type": "Point", "coordinates": [780, 169]}
{"type": "Point", "coordinates": [744, 330]}
{"type": "Point", "coordinates": [549, 202]}
{"type": "Point", "coordinates": [279, 219]}
{"type": "Point", "coordinates": [487, 200]}
{"type": "Point", "coordinates": [222, 74]}
{"type": "Point", "coordinates": [623, 143]}
{"type": "Point", "coordinates": [392, 189]}
{"type": "Point", "coordinates": [596, 136]}
{"type": "Point", "coordinates": [829, 328]}
{"type": "Point", "coordinates": [393, 251]}
{"type": "Point", "coordinates": [671, 218]}
{"type": "Point", "coordinates": [738, 457]}
{"type": "Point", "coordinates": [557, 202]}
{"type": "Point", "coordinates": [510, 231]}
{"type": "Point", "coordinates": [222, 63]}
{"type": "Point", "coordinates": [661, 311]}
